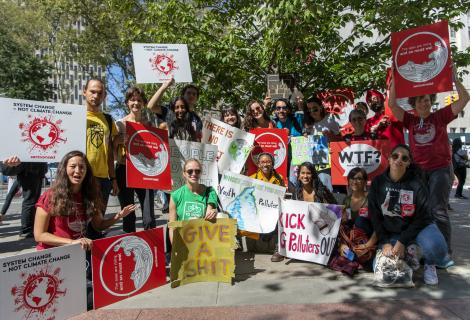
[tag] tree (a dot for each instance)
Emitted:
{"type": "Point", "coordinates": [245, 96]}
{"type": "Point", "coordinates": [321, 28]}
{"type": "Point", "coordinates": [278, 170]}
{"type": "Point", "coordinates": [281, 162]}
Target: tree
{"type": "Point", "coordinates": [234, 44]}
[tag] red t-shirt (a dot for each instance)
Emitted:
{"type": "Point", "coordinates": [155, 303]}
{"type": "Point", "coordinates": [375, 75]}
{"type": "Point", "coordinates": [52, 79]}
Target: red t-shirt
{"type": "Point", "coordinates": [72, 226]}
{"type": "Point", "coordinates": [393, 132]}
{"type": "Point", "coordinates": [429, 142]}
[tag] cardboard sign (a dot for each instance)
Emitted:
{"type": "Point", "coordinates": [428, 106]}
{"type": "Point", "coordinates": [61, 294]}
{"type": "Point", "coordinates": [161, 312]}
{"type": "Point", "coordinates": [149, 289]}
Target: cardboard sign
{"type": "Point", "coordinates": [147, 157]}
{"type": "Point", "coordinates": [37, 131]}
{"type": "Point", "coordinates": [46, 284]}
{"type": "Point", "coordinates": [126, 265]}
{"type": "Point", "coordinates": [273, 141]}
{"type": "Point", "coordinates": [234, 145]}
{"type": "Point", "coordinates": [308, 230]}
{"type": "Point", "coordinates": [181, 150]}
{"type": "Point", "coordinates": [302, 148]}
{"type": "Point", "coordinates": [203, 251]}
{"type": "Point", "coordinates": [254, 203]}
{"type": "Point", "coordinates": [371, 155]}
{"type": "Point", "coordinates": [421, 57]}
{"type": "Point", "coordinates": [156, 63]}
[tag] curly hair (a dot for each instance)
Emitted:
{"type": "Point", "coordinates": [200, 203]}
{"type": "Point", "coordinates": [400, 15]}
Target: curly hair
{"type": "Point", "coordinates": [61, 190]}
{"type": "Point", "coordinates": [250, 122]}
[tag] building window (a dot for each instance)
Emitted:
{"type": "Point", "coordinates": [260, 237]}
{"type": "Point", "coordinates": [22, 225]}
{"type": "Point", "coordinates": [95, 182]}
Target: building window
{"type": "Point", "coordinates": [462, 113]}
{"type": "Point", "coordinates": [462, 130]}
{"type": "Point", "coordinates": [452, 130]}
{"type": "Point", "coordinates": [452, 33]}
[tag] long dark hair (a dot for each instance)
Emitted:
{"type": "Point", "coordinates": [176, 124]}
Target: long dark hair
{"type": "Point", "coordinates": [229, 109]}
{"type": "Point", "coordinates": [184, 123]}
{"type": "Point", "coordinates": [250, 122]}
{"type": "Point", "coordinates": [61, 190]}
{"type": "Point", "coordinates": [308, 119]}
{"type": "Point", "coordinates": [321, 192]}
{"type": "Point", "coordinates": [413, 169]}
{"type": "Point", "coordinates": [456, 145]}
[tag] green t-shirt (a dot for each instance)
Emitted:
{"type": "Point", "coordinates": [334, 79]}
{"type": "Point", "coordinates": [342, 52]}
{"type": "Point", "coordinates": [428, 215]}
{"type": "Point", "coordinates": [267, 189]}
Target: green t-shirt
{"type": "Point", "coordinates": [190, 205]}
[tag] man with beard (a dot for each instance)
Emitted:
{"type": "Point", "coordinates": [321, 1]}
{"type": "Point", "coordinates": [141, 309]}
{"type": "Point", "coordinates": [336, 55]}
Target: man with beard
{"type": "Point", "coordinates": [382, 125]}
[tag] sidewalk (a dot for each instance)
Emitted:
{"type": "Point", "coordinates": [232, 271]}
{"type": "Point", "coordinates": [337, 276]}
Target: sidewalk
{"type": "Point", "coordinates": [292, 289]}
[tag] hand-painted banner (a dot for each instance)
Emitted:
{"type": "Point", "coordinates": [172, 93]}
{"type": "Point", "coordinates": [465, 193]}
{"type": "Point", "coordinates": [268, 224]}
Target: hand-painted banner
{"type": "Point", "coordinates": [273, 141]}
{"type": "Point", "coordinates": [302, 148]}
{"type": "Point", "coordinates": [320, 151]}
{"type": "Point", "coordinates": [338, 102]}
{"type": "Point", "coordinates": [308, 230]}
{"type": "Point", "coordinates": [126, 265]}
{"type": "Point", "coordinates": [371, 155]}
{"type": "Point", "coordinates": [203, 251]}
{"type": "Point", "coordinates": [156, 63]}
{"type": "Point", "coordinates": [38, 131]}
{"type": "Point", "coordinates": [422, 61]}
{"type": "Point", "coordinates": [147, 157]}
{"type": "Point", "coordinates": [254, 203]}
{"type": "Point", "coordinates": [234, 144]}
{"type": "Point", "coordinates": [181, 150]}
{"type": "Point", "coordinates": [46, 284]}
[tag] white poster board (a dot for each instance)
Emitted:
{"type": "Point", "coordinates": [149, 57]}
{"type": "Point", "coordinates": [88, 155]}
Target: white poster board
{"type": "Point", "coordinates": [181, 150]}
{"type": "Point", "coordinates": [47, 284]}
{"type": "Point", "coordinates": [156, 63]}
{"type": "Point", "coordinates": [308, 230]}
{"type": "Point", "coordinates": [234, 145]}
{"type": "Point", "coordinates": [254, 203]}
{"type": "Point", "coordinates": [38, 131]}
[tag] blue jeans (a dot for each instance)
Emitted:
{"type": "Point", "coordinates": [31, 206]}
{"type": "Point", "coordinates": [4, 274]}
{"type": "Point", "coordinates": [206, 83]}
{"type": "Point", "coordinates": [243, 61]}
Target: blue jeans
{"type": "Point", "coordinates": [432, 244]}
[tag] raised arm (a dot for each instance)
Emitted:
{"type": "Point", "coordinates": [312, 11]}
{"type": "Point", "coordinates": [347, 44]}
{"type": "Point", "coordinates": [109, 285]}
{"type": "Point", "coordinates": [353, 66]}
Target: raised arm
{"type": "Point", "coordinates": [154, 102]}
{"type": "Point", "coordinates": [397, 111]}
{"type": "Point", "coordinates": [464, 97]}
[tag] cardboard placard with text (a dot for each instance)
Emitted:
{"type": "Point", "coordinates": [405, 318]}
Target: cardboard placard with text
{"type": "Point", "coordinates": [371, 155]}
{"type": "Point", "coordinates": [422, 60]}
{"type": "Point", "coordinates": [147, 157]}
{"type": "Point", "coordinates": [126, 265]}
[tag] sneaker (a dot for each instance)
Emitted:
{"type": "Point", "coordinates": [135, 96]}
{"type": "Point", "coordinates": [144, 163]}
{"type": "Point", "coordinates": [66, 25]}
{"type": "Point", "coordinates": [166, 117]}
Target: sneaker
{"type": "Point", "coordinates": [447, 262]}
{"type": "Point", "coordinates": [430, 275]}
{"type": "Point", "coordinates": [412, 256]}
{"type": "Point", "coordinates": [277, 257]}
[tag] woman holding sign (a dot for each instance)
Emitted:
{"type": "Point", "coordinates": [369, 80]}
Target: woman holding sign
{"type": "Point", "coordinates": [401, 216]}
{"type": "Point", "coordinates": [230, 116]}
{"type": "Point", "coordinates": [74, 199]}
{"type": "Point", "coordinates": [256, 116]}
{"type": "Point", "coordinates": [181, 127]}
{"type": "Point", "coordinates": [193, 200]}
{"type": "Point", "coordinates": [135, 101]}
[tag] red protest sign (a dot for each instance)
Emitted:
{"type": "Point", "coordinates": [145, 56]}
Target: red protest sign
{"type": "Point", "coordinates": [126, 265]}
{"type": "Point", "coordinates": [421, 57]}
{"type": "Point", "coordinates": [147, 159]}
{"type": "Point", "coordinates": [371, 155]}
{"type": "Point", "coordinates": [273, 141]}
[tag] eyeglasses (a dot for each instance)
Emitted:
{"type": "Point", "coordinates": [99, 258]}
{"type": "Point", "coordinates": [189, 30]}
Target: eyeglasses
{"type": "Point", "coordinates": [265, 162]}
{"type": "Point", "coordinates": [358, 119]}
{"type": "Point", "coordinates": [357, 179]}
{"type": "Point", "coordinates": [195, 171]}
{"type": "Point", "coordinates": [404, 158]}
{"type": "Point", "coordinates": [284, 108]}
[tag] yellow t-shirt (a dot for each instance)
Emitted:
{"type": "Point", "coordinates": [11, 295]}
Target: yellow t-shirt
{"type": "Point", "coordinates": [97, 142]}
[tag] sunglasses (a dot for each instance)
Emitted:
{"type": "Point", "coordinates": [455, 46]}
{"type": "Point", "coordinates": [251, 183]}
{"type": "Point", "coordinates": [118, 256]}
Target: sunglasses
{"type": "Point", "coordinates": [195, 171]}
{"type": "Point", "coordinates": [313, 110]}
{"type": "Point", "coordinates": [281, 108]}
{"type": "Point", "coordinates": [358, 119]}
{"type": "Point", "coordinates": [404, 158]}
{"type": "Point", "coordinates": [357, 179]}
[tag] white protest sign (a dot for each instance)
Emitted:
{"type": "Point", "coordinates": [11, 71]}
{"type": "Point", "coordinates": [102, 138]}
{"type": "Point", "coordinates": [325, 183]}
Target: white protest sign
{"type": "Point", "coordinates": [254, 203]}
{"type": "Point", "coordinates": [37, 131]}
{"type": "Point", "coordinates": [308, 230]}
{"type": "Point", "coordinates": [234, 145]}
{"type": "Point", "coordinates": [181, 150]}
{"type": "Point", "coordinates": [156, 63]}
{"type": "Point", "coordinates": [47, 284]}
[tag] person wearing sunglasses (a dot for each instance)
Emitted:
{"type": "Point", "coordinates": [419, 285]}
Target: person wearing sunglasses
{"type": "Point", "coordinates": [192, 200]}
{"type": "Point", "coordinates": [428, 140]}
{"type": "Point", "coordinates": [357, 118]}
{"type": "Point", "coordinates": [284, 118]}
{"type": "Point", "coordinates": [399, 208]}
{"type": "Point", "coordinates": [256, 116]}
{"type": "Point", "coordinates": [317, 121]}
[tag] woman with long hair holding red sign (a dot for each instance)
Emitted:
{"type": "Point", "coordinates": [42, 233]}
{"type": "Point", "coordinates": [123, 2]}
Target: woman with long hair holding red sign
{"type": "Point", "coordinates": [256, 116]}
{"type": "Point", "coordinates": [428, 136]}
{"type": "Point", "coordinates": [135, 101]}
{"type": "Point", "coordinates": [400, 213]}
{"type": "Point", "coordinates": [74, 199]}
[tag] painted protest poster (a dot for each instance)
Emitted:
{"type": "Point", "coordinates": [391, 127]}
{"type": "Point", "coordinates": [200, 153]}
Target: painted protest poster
{"type": "Point", "coordinates": [308, 230]}
{"type": "Point", "coordinates": [338, 103]}
{"type": "Point", "coordinates": [320, 150]}
{"type": "Point", "coordinates": [126, 265]}
{"type": "Point", "coordinates": [157, 63]}
{"type": "Point", "coordinates": [234, 145]}
{"type": "Point", "coordinates": [147, 157]}
{"type": "Point", "coordinates": [38, 131]}
{"type": "Point", "coordinates": [203, 251]}
{"type": "Point", "coordinates": [254, 203]}
{"type": "Point", "coordinates": [371, 155]}
{"type": "Point", "coordinates": [46, 284]}
{"type": "Point", "coordinates": [181, 150]}
{"type": "Point", "coordinates": [301, 149]}
{"type": "Point", "coordinates": [422, 61]}
{"type": "Point", "coordinates": [273, 141]}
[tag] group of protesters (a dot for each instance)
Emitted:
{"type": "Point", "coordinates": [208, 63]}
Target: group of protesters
{"type": "Point", "coordinates": [406, 206]}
